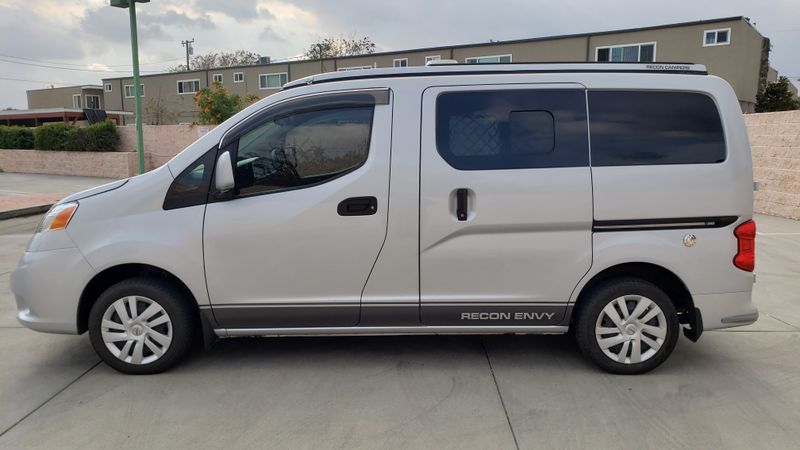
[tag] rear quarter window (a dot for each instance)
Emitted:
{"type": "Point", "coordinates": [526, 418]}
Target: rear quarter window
{"type": "Point", "coordinates": [651, 128]}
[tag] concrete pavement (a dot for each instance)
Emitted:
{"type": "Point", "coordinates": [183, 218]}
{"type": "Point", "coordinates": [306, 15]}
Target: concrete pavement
{"type": "Point", "coordinates": [24, 194]}
{"type": "Point", "coordinates": [733, 389]}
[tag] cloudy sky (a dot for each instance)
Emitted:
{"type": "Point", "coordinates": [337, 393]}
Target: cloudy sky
{"type": "Point", "coordinates": [80, 42]}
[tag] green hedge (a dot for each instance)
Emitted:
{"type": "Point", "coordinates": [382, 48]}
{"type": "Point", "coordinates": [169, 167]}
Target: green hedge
{"type": "Point", "coordinates": [52, 136]}
{"type": "Point", "coordinates": [100, 137]}
{"type": "Point", "coordinates": [16, 137]}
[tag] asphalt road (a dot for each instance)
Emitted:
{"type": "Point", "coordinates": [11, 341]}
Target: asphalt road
{"type": "Point", "coordinates": [733, 389]}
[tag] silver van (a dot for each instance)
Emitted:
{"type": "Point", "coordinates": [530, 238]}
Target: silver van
{"type": "Point", "coordinates": [613, 200]}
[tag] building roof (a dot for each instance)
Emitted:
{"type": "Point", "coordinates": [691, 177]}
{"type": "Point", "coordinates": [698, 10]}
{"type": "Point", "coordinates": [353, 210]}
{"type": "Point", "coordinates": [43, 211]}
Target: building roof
{"type": "Point", "coordinates": [48, 112]}
{"type": "Point", "coordinates": [499, 68]}
{"type": "Point", "coordinates": [74, 86]}
{"type": "Point", "coordinates": [480, 44]}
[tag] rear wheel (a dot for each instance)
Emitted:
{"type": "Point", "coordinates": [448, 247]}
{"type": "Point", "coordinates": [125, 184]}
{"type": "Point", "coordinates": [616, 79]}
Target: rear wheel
{"type": "Point", "coordinates": [627, 326]}
{"type": "Point", "coordinates": [141, 326]}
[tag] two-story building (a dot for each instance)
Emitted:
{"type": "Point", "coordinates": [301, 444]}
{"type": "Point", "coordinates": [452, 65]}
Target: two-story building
{"type": "Point", "coordinates": [729, 47]}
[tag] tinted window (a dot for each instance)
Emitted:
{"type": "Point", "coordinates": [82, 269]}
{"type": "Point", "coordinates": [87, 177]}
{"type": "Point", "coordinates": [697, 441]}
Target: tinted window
{"type": "Point", "coordinates": [302, 148]}
{"type": "Point", "coordinates": [191, 186]}
{"type": "Point", "coordinates": [512, 129]}
{"type": "Point", "coordinates": [640, 128]}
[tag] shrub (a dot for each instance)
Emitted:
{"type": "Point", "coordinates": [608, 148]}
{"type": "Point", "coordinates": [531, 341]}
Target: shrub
{"type": "Point", "coordinates": [100, 137]}
{"type": "Point", "coordinates": [104, 137]}
{"type": "Point", "coordinates": [52, 136]}
{"type": "Point", "coordinates": [776, 96]}
{"type": "Point", "coordinates": [16, 137]}
{"type": "Point", "coordinates": [78, 140]}
{"type": "Point", "coordinates": [217, 106]}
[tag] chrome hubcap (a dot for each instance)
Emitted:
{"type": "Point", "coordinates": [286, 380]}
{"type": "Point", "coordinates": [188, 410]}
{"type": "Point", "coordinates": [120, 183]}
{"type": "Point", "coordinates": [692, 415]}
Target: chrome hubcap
{"type": "Point", "coordinates": [136, 330]}
{"type": "Point", "coordinates": [631, 329]}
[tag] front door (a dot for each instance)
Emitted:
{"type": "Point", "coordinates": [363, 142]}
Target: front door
{"type": "Point", "coordinates": [294, 245]}
{"type": "Point", "coordinates": [505, 203]}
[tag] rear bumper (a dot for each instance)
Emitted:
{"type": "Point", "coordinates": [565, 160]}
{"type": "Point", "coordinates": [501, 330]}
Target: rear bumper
{"type": "Point", "coordinates": [47, 287]}
{"type": "Point", "coordinates": [733, 309]}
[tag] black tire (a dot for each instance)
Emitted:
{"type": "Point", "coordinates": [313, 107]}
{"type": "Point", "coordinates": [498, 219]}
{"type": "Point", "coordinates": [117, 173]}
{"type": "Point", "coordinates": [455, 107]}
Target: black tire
{"type": "Point", "coordinates": [181, 315]}
{"type": "Point", "coordinates": [590, 309]}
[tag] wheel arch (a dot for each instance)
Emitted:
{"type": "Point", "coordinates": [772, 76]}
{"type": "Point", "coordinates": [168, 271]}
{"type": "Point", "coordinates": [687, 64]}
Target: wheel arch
{"type": "Point", "coordinates": [112, 275]}
{"type": "Point", "coordinates": [660, 276]}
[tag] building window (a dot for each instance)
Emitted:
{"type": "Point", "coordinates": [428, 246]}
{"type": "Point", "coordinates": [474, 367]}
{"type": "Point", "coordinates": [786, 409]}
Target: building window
{"type": "Point", "coordinates": [93, 102]}
{"type": "Point", "coordinates": [347, 69]}
{"type": "Point", "coordinates": [402, 62]}
{"type": "Point", "coordinates": [188, 86]}
{"type": "Point", "coordinates": [644, 52]}
{"type": "Point", "coordinates": [107, 87]}
{"type": "Point", "coordinates": [238, 77]}
{"type": "Point", "coordinates": [491, 59]}
{"type": "Point", "coordinates": [217, 78]}
{"type": "Point", "coordinates": [717, 37]}
{"type": "Point", "coordinates": [129, 91]}
{"type": "Point", "coordinates": [432, 58]}
{"type": "Point", "coordinates": [272, 80]}
{"type": "Point", "coordinates": [76, 101]}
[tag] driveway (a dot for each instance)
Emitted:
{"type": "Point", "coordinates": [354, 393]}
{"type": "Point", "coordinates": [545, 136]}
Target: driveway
{"type": "Point", "coordinates": [733, 389]}
{"type": "Point", "coordinates": [24, 190]}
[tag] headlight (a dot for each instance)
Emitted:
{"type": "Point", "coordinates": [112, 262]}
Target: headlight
{"type": "Point", "coordinates": [58, 217]}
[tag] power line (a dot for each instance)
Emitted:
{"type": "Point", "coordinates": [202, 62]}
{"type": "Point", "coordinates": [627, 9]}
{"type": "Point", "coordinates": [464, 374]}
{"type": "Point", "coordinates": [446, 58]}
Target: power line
{"type": "Point", "coordinates": [84, 65]}
{"type": "Point", "coordinates": [37, 81]}
{"type": "Point", "coordinates": [72, 68]}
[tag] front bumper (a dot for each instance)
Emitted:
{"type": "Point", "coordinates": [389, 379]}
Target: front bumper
{"type": "Point", "coordinates": [732, 309]}
{"type": "Point", "coordinates": [47, 286]}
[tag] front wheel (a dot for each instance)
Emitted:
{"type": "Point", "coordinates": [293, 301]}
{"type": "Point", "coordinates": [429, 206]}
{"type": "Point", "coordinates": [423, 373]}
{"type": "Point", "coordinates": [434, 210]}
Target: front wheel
{"type": "Point", "coordinates": [627, 326]}
{"type": "Point", "coordinates": [141, 326]}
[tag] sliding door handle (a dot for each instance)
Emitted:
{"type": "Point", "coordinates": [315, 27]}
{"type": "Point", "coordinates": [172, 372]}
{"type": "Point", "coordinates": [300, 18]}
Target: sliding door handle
{"type": "Point", "coordinates": [462, 207]}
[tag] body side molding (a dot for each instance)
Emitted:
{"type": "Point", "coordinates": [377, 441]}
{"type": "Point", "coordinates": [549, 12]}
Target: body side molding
{"type": "Point", "coordinates": [662, 224]}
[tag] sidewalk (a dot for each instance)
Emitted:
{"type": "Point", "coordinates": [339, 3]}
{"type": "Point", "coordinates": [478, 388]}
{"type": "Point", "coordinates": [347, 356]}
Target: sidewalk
{"type": "Point", "coordinates": [24, 194]}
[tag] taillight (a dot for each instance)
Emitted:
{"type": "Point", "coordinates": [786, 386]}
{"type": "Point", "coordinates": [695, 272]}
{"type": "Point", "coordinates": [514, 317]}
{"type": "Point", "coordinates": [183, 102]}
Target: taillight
{"type": "Point", "coordinates": [745, 258]}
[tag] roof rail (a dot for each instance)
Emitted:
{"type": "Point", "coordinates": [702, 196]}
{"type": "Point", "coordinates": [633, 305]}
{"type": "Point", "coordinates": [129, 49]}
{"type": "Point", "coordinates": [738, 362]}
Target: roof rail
{"type": "Point", "coordinates": [501, 68]}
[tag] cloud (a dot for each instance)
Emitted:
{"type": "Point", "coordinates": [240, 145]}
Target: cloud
{"type": "Point", "coordinates": [269, 34]}
{"type": "Point", "coordinates": [17, 38]}
{"type": "Point", "coordinates": [241, 10]}
{"type": "Point", "coordinates": [91, 32]}
{"type": "Point", "coordinates": [112, 24]}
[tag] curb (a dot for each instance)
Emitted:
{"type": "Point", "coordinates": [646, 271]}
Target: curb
{"type": "Point", "coordinates": [22, 212]}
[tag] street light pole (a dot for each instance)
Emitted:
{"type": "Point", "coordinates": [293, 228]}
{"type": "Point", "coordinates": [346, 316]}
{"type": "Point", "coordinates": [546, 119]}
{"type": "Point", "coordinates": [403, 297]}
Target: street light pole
{"type": "Point", "coordinates": [137, 87]}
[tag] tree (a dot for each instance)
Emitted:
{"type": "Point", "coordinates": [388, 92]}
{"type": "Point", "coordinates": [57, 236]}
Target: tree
{"type": "Point", "coordinates": [216, 60]}
{"type": "Point", "coordinates": [217, 106]}
{"type": "Point", "coordinates": [156, 111]}
{"type": "Point", "coordinates": [334, 46]}
{"type": "Point", "coordinates": [776, 97]}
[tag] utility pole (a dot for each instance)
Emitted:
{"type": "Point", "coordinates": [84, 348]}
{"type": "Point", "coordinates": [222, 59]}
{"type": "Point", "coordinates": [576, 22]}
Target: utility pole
{"type": "Point", "coordinates": [189, 50]}
{"type": "Point", "coordinates": [137, 88]}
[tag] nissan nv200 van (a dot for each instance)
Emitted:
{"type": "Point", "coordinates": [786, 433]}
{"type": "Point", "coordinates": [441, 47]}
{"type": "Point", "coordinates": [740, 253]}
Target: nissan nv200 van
{"type": "Point", "coordinates": [614, 200]}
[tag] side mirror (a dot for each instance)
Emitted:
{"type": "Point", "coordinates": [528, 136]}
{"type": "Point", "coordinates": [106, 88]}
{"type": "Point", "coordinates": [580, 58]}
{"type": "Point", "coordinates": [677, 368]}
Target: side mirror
{"type": "Point", "coordinates": [223, 173]}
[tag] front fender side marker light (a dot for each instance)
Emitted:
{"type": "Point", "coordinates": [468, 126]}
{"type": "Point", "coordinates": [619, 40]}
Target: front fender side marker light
{"type": "Point", "coordinates": [58, 217]}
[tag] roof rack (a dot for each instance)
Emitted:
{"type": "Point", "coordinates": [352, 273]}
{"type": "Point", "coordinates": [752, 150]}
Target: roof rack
{"type": "Point", "coordinates": [502, 68]}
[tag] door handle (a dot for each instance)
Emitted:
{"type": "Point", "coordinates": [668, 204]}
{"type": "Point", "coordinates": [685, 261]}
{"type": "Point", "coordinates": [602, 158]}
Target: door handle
{"type": "Point", "coordinates": [358, 206]}
{"type": "Point", "coordinates": [461, 204]}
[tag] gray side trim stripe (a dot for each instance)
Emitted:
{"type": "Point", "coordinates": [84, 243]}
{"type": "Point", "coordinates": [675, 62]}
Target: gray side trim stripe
{"type": "Point", "coordinates": [663, 223]}
{"type": "Point", "coordinates": [327, 331]}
